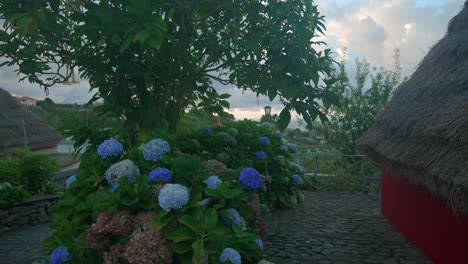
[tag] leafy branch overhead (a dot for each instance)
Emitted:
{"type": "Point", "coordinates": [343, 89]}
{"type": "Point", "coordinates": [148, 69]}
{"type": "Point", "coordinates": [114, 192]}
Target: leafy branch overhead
{"type": "Point", "coordinates": [149, 60]}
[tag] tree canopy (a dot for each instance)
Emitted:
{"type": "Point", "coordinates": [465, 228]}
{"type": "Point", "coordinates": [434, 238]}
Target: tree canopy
{"type": "Point", "coordinates": [149, 60]}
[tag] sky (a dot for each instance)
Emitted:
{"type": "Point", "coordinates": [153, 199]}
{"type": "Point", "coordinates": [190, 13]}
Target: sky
{"type": "Point", "coordinates": [366, 28]}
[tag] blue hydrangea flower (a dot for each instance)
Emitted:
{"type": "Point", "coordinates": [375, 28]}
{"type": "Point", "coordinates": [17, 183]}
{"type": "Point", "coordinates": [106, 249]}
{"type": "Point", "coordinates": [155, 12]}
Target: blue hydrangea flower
{"type": "Point", "coordinates": [231, 217]}
{"type": "Point", "coordinates": [110, 148]}
{"type": "Point", "coordinates": [292, 147]}
{"type": "Point", "coordinates": [266, 124]}
{"type": "Point", "coordinates": [264, 141]}
{"type": "Point", "coordinates": [173, 196]}
{"type": "Point", "coordinates": [261, 155]}
{"type": "Point", "coordinates": [60, 255]}
{"type": "Point", "coordinates": [297, 161]}
{"type": "Point", "coordinates": [278, 134]}
{"type": "Point", "coordinates": [251, 178]}
{"type": "Point", "coordinates": [231, 255]}
{"type": "Point", "coordinates": [283, 148]}
{"type": "Point", "coordinates": [297, 179]}
{"type": "Point", "coordinates": [124, 168]}
{"type": "Point", "coordinates": [160, 174]}
{"type": "Point", "coordinates": [156, 149]}
{"type": "Point", "coordinates": [207, 131]}
{"type": "Point", "coordinates": [213, 182]}
{"type": "Point", "coordinates": [285, 141]}
{"type": "Point", "coordinates": [259, 243]}
{"type": "Point", "coordinates": [70, 180]}
{"type": "Point", "coordinates": [115, 186]}
{"type": "Point", "coordinates": [233, 141]}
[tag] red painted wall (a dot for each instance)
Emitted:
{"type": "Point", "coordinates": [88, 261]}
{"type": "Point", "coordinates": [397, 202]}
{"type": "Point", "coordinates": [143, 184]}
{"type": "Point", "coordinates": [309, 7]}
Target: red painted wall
{"type": "Point", "coordinates": [425, 220]}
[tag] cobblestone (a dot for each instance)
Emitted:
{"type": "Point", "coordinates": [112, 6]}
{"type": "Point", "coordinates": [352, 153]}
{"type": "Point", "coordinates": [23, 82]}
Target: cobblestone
{"type": "Point", "coordinates": [337, 228]}
{"type": "Point", "coordinates": [24, 245]}
{"type": "Point", "coordinates": [327, 228]}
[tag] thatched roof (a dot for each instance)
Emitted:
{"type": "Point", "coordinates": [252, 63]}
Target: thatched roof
{"type": "Point", "coordinates": [38, 133]}
{"type": "Point", "coordinates": [422, 134]}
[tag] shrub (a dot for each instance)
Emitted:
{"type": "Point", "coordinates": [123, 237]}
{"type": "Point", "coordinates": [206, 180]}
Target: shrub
{"type": "Point", "coordinates": [33, 171]}
{"type": "Point", "coordinates": [195, 217]}
{"type": "Point", "coordinates": [11, 194]}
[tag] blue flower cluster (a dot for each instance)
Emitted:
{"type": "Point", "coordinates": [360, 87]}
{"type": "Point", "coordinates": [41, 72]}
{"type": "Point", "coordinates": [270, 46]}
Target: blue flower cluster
{"type": "Point", "coordinates": [70, 180]}
{"type": "Point", "coordinates": [283, 148]}
{"type": "Point", "coordinates": [207, 131]}
{"type": "Point", "coordinates": [259, 243]}
{"type": "Point", "coordinates": [266, 124]}
{"type": "Point", "coordinates": [212, 182]}
{"type": "Point", "coordinates": [278, 134]}
{"type": "Point", "coordinates": [115, 186]}
{"type": "Point", "coordinates": [161, 174]}
{"type": "Point", "coordinates": [292, 147]}
{"type": "Point", "coordinates": [261, 155]}
{"type": "Point", "coordinates": [297, 179]}
{"type": "Point", "coordinates": [297, 161]}
{"type": "Point", "coordinates": [124, 168]}
{"type": "Point", "coordinates": [265, 141]}
{"type": "Point", "coordinates": [230, 254]}
{"type": "Point", "coordinates": [60, 255]}
{"type": "Point", "coordinates": [110, 148]}
{"type": "Point", "coordinates": [173, 196]}
{"type": "Point", "coordinates": [156, 149]}
{"type": "Point", "coordinates": [231, 217]}
{"type": "Point", "coordinates": [251, 178]}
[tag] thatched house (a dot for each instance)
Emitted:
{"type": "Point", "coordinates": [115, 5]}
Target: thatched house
{"type": "Point", "coordinates": [39, 134]}
{"type": "Point", "coordinates": [421, 140]}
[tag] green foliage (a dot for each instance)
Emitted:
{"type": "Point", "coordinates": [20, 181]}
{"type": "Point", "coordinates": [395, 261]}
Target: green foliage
{"type": "Point", "coordinates": [150, 60]}
{"type": "Point", "coordinates": [196, 233]}
{"type": "Point", "coordinates": [10, 194]}
{"type": "Point", "coordinates": [33, 171]}
{"type": "Point", "coordinates": [359, 102]}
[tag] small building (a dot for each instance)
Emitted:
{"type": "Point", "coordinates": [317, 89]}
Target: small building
{"type": "Point", "coordinates": [19, 127]}
{"type": "Point", "coordinates": [25, 100]}
{"type": "Point", "coordinates": [421, 141]}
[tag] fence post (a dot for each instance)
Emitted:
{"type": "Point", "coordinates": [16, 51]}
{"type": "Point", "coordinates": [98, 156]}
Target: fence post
{"type": "Point", "coordinates": [363, 177]}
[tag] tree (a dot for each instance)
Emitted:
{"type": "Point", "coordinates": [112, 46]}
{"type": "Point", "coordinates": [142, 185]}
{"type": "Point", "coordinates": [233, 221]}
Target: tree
{"type": "Point", "coordinates": [150, 60]}
{"type": "Point", "coordinates": [360, 102]}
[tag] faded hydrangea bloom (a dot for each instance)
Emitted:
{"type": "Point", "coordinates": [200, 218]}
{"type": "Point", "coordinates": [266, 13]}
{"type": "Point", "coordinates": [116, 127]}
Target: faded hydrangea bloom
{"type": "Point", "coordinates": [266, 124]}
{"type": "Point", "coordinates": [230, 254]}
{"type": "Point", "coordinates": [215, 167]}
{"type": "Point", "coordinates": [110, 148]}
{"type": "Point", "coordinates": [231, 217]}
{"type": "Point", "coordinates": [212, 182]}
{"type": "Point", "coordinates": [173, 196]}
{"type": "Point", "coordinates": [283, 148]}
{"type": "Point", "coordinates": [124, 168]}
{"type": "Point", "coordinates": [70, 180]}
{"type": "Point", "coordinates": [156, 149]}
{"type": "Point", "coordinates": [233, 132]}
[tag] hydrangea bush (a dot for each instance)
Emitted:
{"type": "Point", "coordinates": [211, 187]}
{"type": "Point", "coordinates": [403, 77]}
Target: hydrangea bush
{"type": "Point", "coordinates": [182, 198]}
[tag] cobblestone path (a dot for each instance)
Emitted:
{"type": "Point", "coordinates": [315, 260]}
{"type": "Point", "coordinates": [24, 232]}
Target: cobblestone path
{"type": "Point", "coordinates": [337, 228]}
{"type": "Point", "coordinates": [24, 245]}
{"type": "Point", "coordinates": [326, 228]}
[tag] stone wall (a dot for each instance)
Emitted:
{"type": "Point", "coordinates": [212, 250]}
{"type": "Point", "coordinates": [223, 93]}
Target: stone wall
{"type": "Point", "coordinates": [34, 210]}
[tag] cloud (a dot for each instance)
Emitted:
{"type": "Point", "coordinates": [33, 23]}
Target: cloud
{"type": "Point", "coordinates": [371, 28]}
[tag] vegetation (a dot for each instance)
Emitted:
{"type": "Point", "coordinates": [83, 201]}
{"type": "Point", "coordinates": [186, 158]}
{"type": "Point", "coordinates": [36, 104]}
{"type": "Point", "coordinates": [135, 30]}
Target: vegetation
{"type": "Point", "coordinates": [96, 216]}
{"type": "Point", "coordinates": [150, 60]}
{"type": "Point", "coordinates": [23, 173]}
